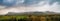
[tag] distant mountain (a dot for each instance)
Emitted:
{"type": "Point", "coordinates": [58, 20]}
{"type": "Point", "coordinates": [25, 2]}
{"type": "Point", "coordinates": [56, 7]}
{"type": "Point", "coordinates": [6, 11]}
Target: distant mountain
{"type": "Point", "coordinates": [31, 13]}
{"type": "Point", "coordinates": [13, 13]}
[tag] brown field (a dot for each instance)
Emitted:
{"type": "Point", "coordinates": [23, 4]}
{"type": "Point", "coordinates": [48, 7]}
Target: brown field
{"type": "Point", "coordinates": [45, 18]}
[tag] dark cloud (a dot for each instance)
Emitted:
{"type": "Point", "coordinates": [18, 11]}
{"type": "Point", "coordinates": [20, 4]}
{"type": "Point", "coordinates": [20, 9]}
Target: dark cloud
{"type": "Point", "coordinates": [26, 2]}
{"type": "Point", "coordinates": [30, 2]}
{"type": "Point", "coordinates": [7, 3]}
{"type": "Point", "coordinates": [1, 2]}
{"type": "Point", "coordinates": [53, 1]}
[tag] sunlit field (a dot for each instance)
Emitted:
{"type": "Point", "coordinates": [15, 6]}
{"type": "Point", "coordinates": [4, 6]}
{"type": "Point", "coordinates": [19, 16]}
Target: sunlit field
{"type": "Point", "coordinates": [11, 18]}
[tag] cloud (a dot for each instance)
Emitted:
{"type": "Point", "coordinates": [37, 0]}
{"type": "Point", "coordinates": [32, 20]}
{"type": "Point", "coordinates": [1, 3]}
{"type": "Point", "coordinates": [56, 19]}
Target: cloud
{"type": "Point", "coordinates": [4, 11]}
{"type": "Point", "coordinates": [32, 5]}
{"type": "Point", "coordinates": [1, 7]}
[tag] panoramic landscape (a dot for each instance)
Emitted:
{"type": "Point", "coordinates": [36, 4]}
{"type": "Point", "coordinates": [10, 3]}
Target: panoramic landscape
{"type": "Point", "coordinates": [29, 10]}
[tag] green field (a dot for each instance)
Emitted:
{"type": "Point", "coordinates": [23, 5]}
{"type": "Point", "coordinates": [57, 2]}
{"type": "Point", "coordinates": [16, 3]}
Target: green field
{"type": "Point", "coordinates": [5, 18]}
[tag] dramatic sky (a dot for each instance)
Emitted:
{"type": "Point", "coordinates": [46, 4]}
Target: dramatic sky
{"type": "Point", "coordinates": [28, 6]}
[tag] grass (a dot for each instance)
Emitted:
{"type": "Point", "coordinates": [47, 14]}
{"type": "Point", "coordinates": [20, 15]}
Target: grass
{"type": "Point", "coordinates": [10, 17]}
